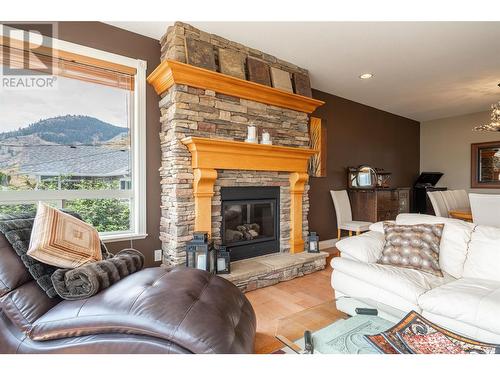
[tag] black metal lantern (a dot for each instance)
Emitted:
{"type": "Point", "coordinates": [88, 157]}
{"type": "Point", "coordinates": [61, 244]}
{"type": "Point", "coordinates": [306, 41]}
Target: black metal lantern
{"type": "Point", "coordinates": [223, 262]}
{"type": "Point", "coordinates": [313, 243]}
{"type": "Point", "coordinates": [200, 253]}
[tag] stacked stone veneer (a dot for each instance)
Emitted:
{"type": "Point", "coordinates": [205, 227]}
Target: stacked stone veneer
{"type": "Point", "coordinates": [173, 47]}
{"type": "Point", "coordinates": [188, 111]}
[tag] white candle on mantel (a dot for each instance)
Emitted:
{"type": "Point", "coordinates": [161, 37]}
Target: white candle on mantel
{"type": "Point", "coordinates": [252, 132]}
{"type": "Point", "coordinates": [266, 137]}
{"type": "Point", "coordinates": [201, 261]}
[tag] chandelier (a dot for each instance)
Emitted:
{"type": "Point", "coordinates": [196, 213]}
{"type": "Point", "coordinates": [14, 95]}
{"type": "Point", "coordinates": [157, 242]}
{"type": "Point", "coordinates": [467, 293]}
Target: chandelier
{"type": "Point", "coordinates": [494, 125]}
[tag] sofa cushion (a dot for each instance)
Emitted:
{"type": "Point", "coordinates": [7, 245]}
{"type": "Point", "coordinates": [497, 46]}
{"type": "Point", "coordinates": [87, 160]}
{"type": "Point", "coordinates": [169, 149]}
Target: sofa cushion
{"type": "Point", "coordinates": [366, 247]}
{"type": "Point", "coordinates": [16, 229]}
{"type": "Point", "coordinates": [483, 258]}
{"type": "Point", "coordinates": [413, 246]}
{"type": "Point", "coordinates": [351, 292]}
{"type": "Point", "coordinates": [25, 304]}
{"type": "Point", "coordinates": [62, 240]}
{"type": "Point", "coordinates": [406, 283]}
{"type": "Point", "coordinates": [196, 310]}
{"type": "Point", "coordinates": [13, 273]}
{"type": "Point", "coordinates": [454, 241]}
{"type": "Point", "coordinates": [472, 301]}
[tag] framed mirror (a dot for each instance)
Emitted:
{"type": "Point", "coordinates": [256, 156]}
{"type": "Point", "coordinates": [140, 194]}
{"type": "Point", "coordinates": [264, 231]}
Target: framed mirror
{"type": "Point", "coordinates": [362, 177]}
{"type": "Point", "coordinates": [485, 165]}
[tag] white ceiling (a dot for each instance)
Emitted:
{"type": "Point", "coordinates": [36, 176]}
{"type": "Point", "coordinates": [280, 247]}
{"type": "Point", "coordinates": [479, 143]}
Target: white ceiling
{"type": "Point", "coordinates": [422, 70]}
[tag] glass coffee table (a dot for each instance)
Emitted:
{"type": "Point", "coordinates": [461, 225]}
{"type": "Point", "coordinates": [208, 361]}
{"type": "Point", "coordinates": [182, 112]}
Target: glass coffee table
{"type": "Point", "coordinates": [333, 332]}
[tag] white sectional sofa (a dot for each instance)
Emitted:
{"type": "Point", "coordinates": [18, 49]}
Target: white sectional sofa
{"type": "Point", "coordinates": [466, 300]}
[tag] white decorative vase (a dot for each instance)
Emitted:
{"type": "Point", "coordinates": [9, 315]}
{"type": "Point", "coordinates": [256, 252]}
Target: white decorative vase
{"type": "Point", "coordinates": [266, 139]}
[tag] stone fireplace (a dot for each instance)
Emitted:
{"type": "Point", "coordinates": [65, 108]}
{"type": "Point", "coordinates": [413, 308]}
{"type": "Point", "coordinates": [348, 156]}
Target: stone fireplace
{"type": "Point", "coordinates": [207, 168]}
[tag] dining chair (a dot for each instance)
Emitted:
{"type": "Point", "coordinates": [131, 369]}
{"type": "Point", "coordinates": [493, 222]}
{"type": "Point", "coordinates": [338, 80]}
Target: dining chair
{"type": "Point", "coordinates": [456, 199]}
{"type": "Point", "coordinates": [344, 214]}
{"type": "Point", "coordinates": [485, 209]}
{"type": "Point", "coordinates": [438, 203]}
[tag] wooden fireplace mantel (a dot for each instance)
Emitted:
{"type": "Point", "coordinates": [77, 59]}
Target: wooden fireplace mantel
{"type": "Point", "coordinates": [208, 155]}
{"type": "Point", "coordinates": [171, 72]}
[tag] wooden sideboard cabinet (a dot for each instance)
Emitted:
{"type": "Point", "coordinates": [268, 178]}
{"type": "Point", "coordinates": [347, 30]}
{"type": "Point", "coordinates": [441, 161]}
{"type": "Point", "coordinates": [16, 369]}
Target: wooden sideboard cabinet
{"type": "Point", "coordinates": [379, 204]}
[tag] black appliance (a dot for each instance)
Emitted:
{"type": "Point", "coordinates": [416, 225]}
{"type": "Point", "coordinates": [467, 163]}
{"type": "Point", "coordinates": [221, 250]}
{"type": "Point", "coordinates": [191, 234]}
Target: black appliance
{"type": "Point", "coordinates": [425, 183]}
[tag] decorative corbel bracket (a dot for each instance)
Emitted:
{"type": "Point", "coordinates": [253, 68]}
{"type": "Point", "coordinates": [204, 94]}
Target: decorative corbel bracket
{"type": "Point", "coordinates": [203, 191]}
{"type": "Point", "coordinates": [298, 181]}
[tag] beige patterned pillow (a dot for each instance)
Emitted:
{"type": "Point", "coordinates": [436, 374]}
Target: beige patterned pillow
{"type": "Point", "coordinates": [413, 246]}
{"type": "Point", "coordinates": [62, 240]}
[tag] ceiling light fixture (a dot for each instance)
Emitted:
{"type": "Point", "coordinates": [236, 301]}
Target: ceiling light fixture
{"type": "Point", "coordinates": [366, 76]}
{"type": "Point", "coordinates": [494, 125]}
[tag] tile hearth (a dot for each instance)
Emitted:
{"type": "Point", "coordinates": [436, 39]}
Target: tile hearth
{"type": "Point", "coordinates": [254, 273]}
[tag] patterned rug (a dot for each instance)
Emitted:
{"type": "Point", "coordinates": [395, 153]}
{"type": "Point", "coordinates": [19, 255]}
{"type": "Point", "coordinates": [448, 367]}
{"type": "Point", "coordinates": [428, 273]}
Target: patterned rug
{"type": "Point", "coordinates": [346, 336]}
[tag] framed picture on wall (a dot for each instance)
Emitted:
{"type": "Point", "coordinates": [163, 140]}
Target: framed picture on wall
{"type": "Point", "coordinates": [485, 165]}
{"type": "Point", "coordinates": [317, 133]}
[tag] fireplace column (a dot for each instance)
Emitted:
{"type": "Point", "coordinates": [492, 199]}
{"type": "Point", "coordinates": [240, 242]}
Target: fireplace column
{"type": "Point", "coordinates": [203, 190]}
{"type": "Point", "coordinates": [298, 181]}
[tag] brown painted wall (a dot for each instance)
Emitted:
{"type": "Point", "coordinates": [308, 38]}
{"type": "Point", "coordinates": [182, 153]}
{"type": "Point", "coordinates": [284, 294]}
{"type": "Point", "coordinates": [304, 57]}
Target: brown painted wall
{"type": "Point", "coordinates": [358, 134]}
{"type": "Point", "coordinates": [108, 38]}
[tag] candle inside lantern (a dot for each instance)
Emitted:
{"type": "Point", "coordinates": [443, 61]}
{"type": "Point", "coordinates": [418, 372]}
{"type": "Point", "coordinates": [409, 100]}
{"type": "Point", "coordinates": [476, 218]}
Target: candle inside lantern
{"type": "Point", "coordinates": [266, 137]}
{"type": "Point", "coordinates": [201, 261]}
{"type": "Point", "coordinates": [221, 264]}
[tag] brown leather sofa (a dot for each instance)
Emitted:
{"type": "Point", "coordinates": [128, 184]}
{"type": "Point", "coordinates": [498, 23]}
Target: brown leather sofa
{"type": "Point", "coordinates": [152, 311]}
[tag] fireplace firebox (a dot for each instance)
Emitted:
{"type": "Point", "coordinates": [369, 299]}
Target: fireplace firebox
{"type": "Point", "coordinates": [250, 221]}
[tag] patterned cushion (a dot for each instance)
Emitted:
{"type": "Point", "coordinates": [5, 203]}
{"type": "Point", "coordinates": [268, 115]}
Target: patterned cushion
{"type": "Point", "coordinates": [413, 246]}
{"type": "Point", "coordinates": [62, 240]}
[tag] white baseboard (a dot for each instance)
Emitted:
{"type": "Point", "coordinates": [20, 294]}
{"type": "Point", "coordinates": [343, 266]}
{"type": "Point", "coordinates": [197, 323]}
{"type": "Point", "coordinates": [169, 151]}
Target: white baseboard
{"type": "Point", "coordinates": [327, 243]}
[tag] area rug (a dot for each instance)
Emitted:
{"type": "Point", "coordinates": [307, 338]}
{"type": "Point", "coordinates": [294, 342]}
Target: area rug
{"type": "Point", "coordinates": [346, 336]}
{"type": "Point", "coordinates": [416, 335]}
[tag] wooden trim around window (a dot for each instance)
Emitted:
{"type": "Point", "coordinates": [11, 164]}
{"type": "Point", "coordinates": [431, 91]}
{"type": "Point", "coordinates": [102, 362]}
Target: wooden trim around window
{"type": "Point", "coordinates": [68, 56]}
{"type": "Point", "coordinates": [474, 163]}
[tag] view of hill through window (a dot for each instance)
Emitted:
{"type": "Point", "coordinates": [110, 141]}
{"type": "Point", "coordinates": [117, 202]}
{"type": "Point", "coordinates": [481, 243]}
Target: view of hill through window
{"type": "Point", "coordinates": [74, 137]}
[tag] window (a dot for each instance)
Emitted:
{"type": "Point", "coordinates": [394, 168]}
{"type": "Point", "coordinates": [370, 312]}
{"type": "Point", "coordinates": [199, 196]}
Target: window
{"type": "Point", "coordinates": [80, 144]}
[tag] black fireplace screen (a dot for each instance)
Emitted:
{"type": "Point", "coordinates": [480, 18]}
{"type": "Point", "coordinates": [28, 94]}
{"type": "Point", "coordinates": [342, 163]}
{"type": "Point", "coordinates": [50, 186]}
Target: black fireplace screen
{"type": "Point", "coordinates": [250, 221]}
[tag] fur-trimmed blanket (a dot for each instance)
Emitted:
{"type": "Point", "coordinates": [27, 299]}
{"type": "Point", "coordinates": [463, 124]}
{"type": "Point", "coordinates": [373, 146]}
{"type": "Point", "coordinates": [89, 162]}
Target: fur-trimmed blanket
{"type": "Point", "coordinates": [78, 283]}
{"type": "Point", "coordinates": [89, 279]}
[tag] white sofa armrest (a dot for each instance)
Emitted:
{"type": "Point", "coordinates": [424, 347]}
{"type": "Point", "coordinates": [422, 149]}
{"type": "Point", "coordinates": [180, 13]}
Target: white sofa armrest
{"type": "Point", "coordinates": [379, 225]}
{"type": "Point", "coordinates": [366, 247]}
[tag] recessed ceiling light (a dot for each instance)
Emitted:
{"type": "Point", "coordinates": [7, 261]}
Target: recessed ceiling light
{"type": "Point", "coordinates": [366, 76]}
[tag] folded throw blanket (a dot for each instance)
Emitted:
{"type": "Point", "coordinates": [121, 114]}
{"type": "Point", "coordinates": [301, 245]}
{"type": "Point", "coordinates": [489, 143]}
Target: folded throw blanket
{"type": "Point", "coordinates": [89, 279]}
{"type": "Point", "coordinates": [17, 230]}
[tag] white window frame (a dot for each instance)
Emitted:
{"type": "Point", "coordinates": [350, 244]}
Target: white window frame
{"type": "Point", "coordinates": [138, 146]}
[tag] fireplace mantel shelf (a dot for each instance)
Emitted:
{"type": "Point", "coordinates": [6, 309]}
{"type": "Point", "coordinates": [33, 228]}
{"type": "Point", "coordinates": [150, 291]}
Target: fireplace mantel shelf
{"type": "Point", "coordinates": [171, 72]}
{"type": "Point", "coordinates": [208, 155]}
{"type": "Point", "coordinates": [226, 154]}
